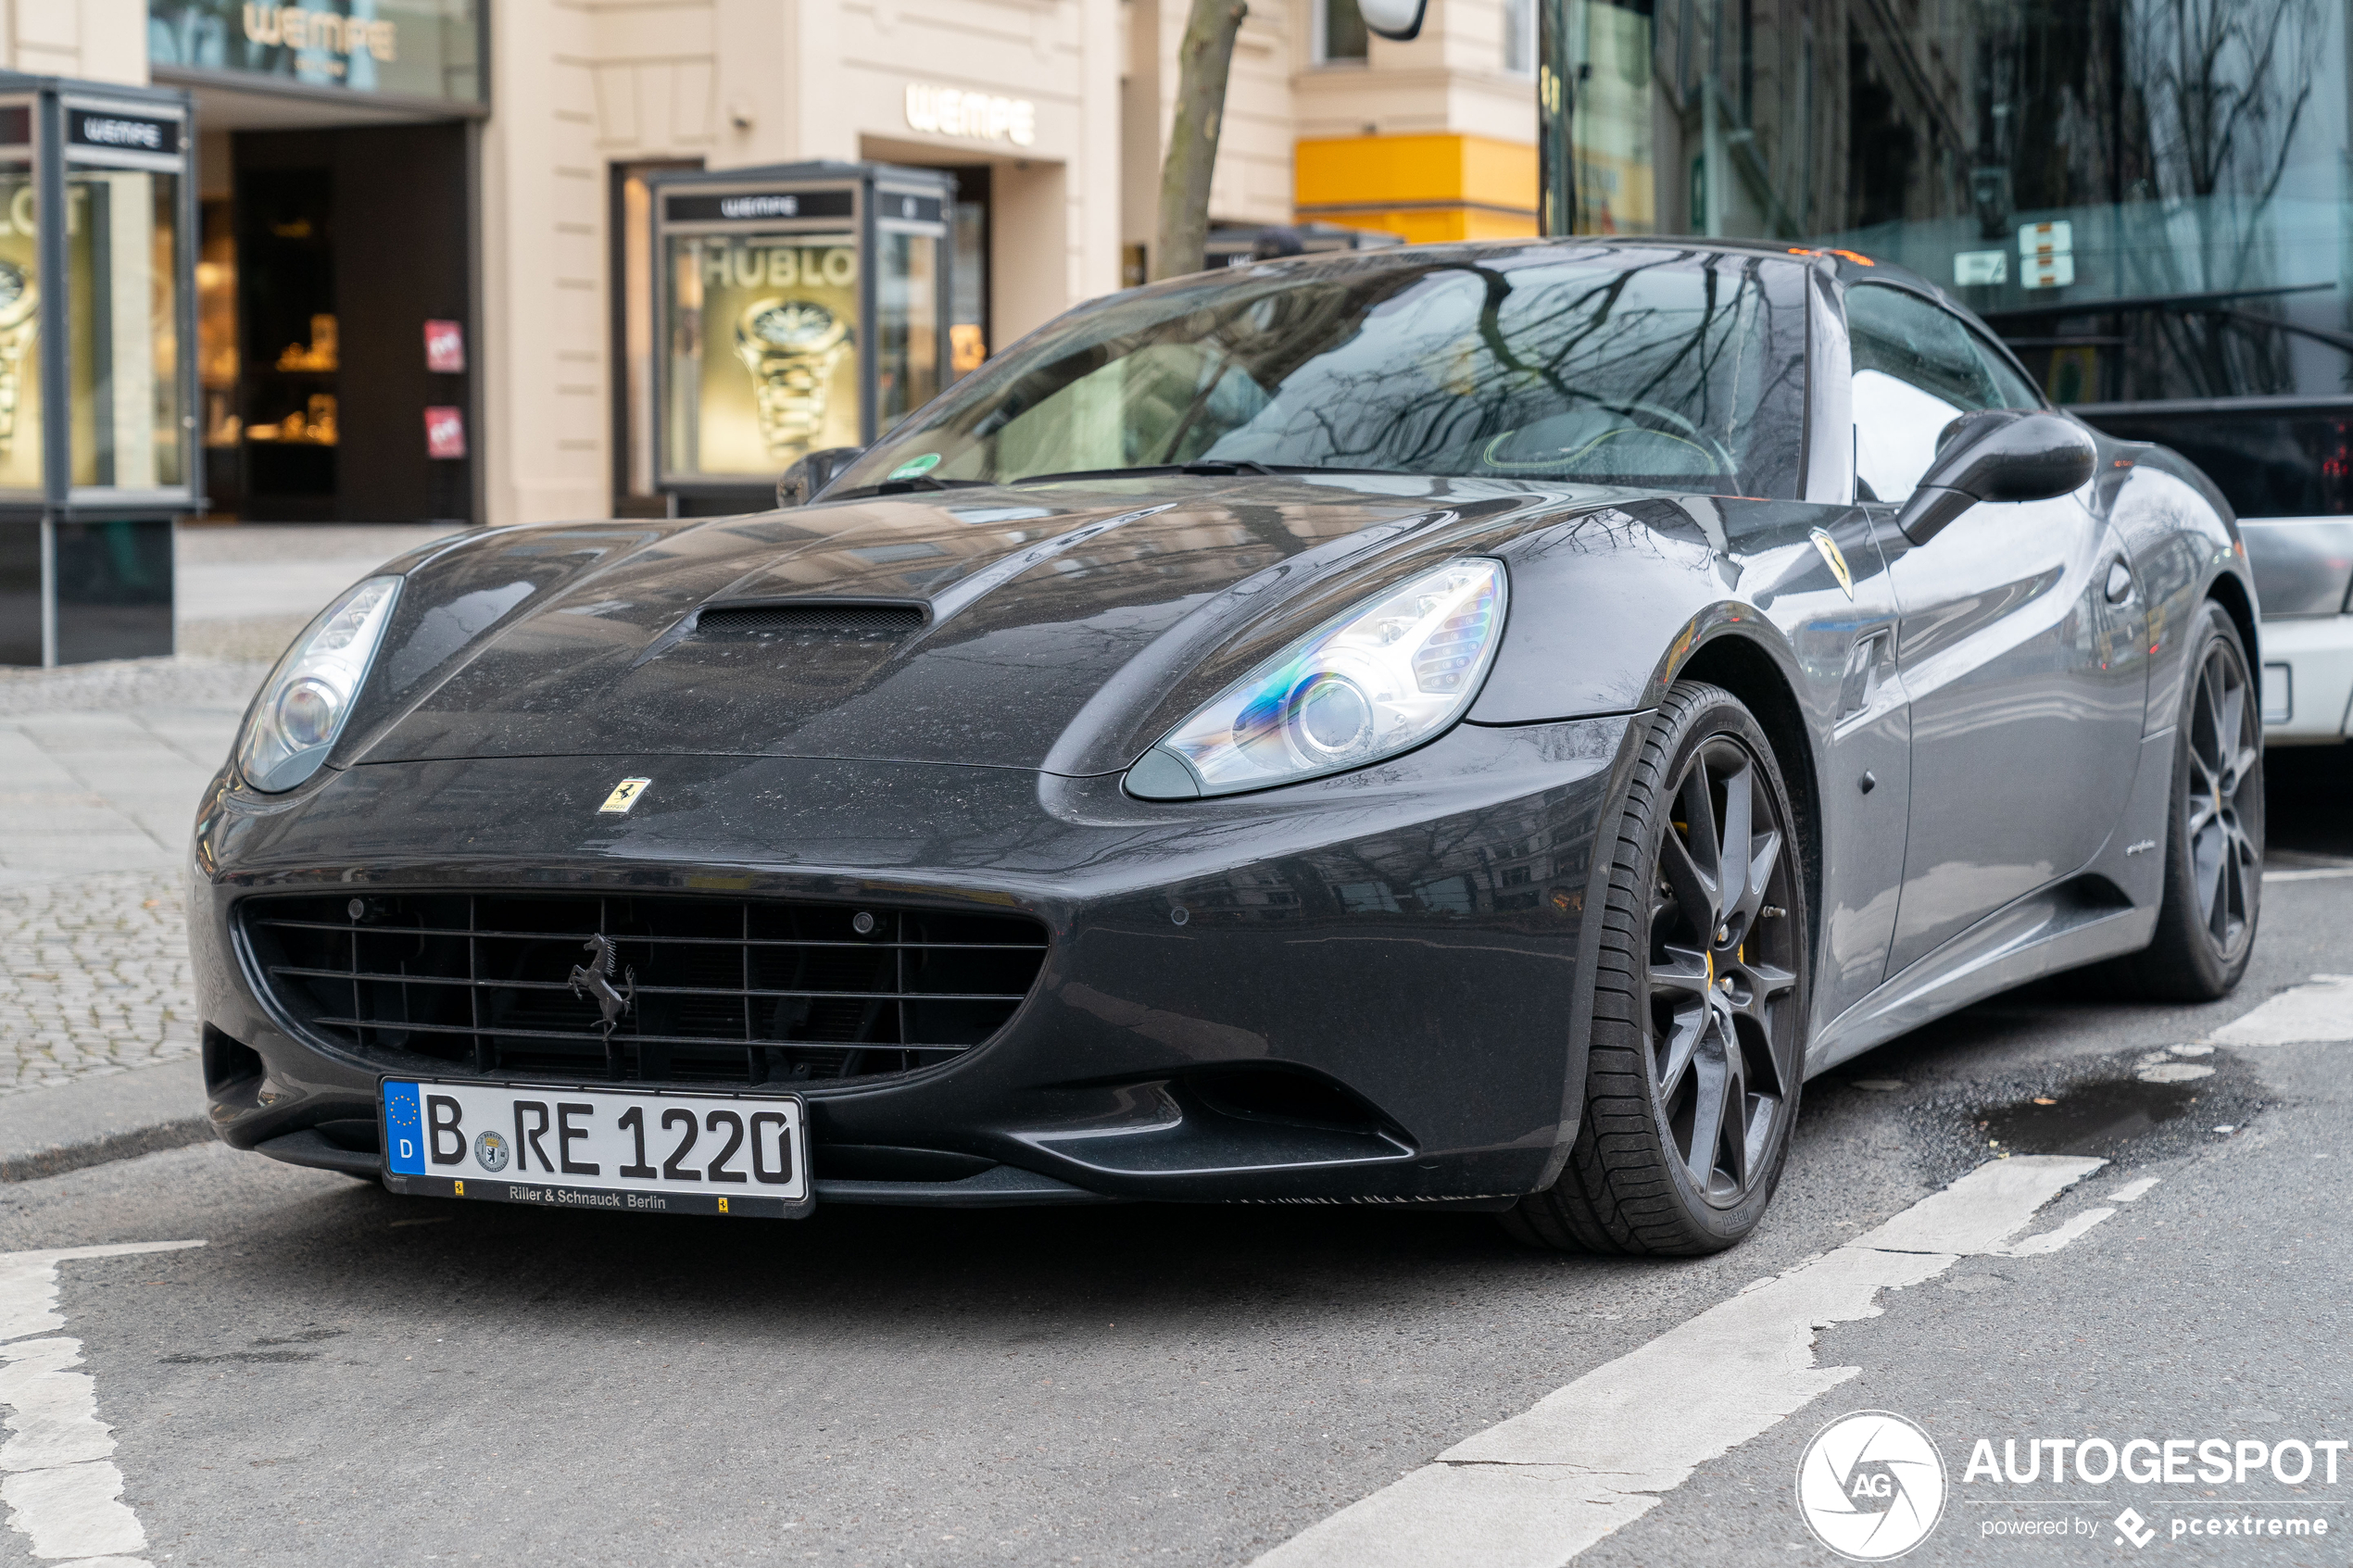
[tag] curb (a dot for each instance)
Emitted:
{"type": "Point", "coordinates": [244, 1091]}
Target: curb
{"type": "Point", "coordinates": [98, 1119]}
{"type": "Point", "coordinates": [58, 1160]}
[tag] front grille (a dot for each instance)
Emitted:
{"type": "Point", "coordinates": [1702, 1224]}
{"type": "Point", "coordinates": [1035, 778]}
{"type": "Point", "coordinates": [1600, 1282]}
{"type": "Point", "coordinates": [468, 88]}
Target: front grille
{"type": "Point", "coordinates": [755, 991]}
{"type": "Point", "coordinates": [809, 618]}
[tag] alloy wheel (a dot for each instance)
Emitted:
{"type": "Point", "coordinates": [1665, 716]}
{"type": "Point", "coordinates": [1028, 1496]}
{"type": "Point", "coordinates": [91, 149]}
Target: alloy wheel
{"type": "Point", "coordinates": [2224, 785]}
{"type": "Point", "coordinates": [1723, 974]}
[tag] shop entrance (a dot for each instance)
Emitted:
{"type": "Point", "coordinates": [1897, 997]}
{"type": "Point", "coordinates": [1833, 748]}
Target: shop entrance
{"type": "Point", "coordinates": [336, 325]}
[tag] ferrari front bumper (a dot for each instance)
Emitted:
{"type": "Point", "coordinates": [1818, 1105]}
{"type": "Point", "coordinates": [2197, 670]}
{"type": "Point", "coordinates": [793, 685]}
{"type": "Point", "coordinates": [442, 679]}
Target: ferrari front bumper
{"type": "Point", "coordinates": [1408, 941]}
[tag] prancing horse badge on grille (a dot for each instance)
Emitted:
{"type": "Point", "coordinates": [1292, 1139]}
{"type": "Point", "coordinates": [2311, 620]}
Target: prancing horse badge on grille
{"type": "Point", "coordinates": [594, 980]}
{"type": "Point", "coordinates": [624, 794]}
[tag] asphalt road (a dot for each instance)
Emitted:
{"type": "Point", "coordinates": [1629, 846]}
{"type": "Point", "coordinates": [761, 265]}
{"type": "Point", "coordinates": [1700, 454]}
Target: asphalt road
{"type": "Point", "coordinates": [338, 1375]}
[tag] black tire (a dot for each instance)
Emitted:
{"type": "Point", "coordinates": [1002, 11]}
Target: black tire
{"type": "Point", "coordinates": [2214, 830]}
{"type": "Point", "coordinates": [1689, 1018]}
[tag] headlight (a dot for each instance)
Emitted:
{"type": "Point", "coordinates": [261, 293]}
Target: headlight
{"type": "Point", "coordinates": [309, 695]}
{"type": "Point", "coordinates": [1385, 676]}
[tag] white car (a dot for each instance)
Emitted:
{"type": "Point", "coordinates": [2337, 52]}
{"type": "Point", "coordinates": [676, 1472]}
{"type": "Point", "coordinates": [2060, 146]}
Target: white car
{"type": "Point", "coordinates": [2304, 581]}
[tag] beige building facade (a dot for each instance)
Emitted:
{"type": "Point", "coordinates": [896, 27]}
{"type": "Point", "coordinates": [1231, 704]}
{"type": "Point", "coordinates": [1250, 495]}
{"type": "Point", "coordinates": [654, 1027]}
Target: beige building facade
{"type": "Point", "coordinates": [376, 172]}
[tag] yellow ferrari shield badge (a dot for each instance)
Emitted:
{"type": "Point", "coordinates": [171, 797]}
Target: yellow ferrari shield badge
{"type": "Point", "coordinates": [1823, 543]}
{"type": "Point", "coordinates": [625, 794]}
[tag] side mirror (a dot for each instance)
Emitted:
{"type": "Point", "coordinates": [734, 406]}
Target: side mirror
{"type": "Point", "coordinates": [808, 478]}
{"type": "Point", "coordinates": [1397, 19]}
{"type": "Point", "coordinates": [1997, 454]}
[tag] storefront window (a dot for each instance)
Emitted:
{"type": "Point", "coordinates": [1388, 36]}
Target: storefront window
{"type": "Point", "coordinates": [1519, 37]}
{"type": "Point", "coordinates": [763, 350]}
{"type": "Point", "coordinates": [1340, 38]}
{"type": "Point", "coordinates": [2145, 197]}
{"type": "Point", "coordinates": [121, 242]}
{"type": "Point", "coordinates": [20, 346]}
{"type": "Point", "coordinates": [907, 323]}
{"type": "Point", "coordinates": [968, 315]}
{"type": "Point", "coordinates": [634, 334]}
{"type": "Point", "coordinates": [220, 425]}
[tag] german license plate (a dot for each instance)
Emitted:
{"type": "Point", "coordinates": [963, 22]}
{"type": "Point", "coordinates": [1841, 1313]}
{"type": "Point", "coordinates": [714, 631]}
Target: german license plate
{"type": "Point", "coordinates": [627, 1150]}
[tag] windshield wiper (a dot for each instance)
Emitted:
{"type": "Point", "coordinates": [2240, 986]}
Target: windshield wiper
{"type": "Point", "coordinates": [1215, 467]}
{"type": "Point", "coordinates": [913, 483]}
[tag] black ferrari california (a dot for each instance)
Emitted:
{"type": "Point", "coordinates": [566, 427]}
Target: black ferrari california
{"type": "Point", "coordinates": [1470, 725]}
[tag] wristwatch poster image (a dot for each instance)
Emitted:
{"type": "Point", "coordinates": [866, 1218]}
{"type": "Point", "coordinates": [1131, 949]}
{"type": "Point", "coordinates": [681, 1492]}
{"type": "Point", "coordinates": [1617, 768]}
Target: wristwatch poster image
{"type": "Point", "coordinates": [20, 352]}
{"type": "Point", "coordinates": [764, 350]}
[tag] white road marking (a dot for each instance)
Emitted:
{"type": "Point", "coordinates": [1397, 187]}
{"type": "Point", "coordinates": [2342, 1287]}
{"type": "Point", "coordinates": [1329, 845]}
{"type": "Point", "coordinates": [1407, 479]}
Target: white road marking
{"type": "Point", "coordinates": [56, 1473]}
{"type": "Point", "coordinates": [2050, 1241]}
{"type": "Point", "coordinates": [2309, 873]}
{"type": "Point", "coordinates": [2133, 1192]}
{"type": "Point", "coordinates": [1534, 1491]}
{"type": "Point", "coordinates": [2320, 1009]}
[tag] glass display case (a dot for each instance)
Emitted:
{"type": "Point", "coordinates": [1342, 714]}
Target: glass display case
{"type": "Point", "coordinates": [98, 390]}
{"type": "Point", "coordinates": [803, 306]}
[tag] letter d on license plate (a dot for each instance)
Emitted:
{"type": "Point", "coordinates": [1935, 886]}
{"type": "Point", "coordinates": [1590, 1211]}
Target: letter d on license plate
{"type": "Point", "coordinates": [631, 1151]}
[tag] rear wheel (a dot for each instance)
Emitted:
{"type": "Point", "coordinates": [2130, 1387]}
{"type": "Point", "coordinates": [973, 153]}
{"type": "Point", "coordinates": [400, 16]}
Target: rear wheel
{"type": "Point", "coordinates": [2214, 830]}
{"type": "Point", "coordinates": [1698, 1043]}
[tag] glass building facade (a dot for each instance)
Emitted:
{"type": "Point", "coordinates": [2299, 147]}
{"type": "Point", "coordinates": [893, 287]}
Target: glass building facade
{"type": "Point", "coordinates": [2146, 198]}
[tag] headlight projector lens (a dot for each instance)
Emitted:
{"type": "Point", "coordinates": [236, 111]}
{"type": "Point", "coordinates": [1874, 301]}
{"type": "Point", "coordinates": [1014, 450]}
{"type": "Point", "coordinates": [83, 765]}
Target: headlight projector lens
{"type": "Point", "coordinates": [308, 713]}
{"type": "Point", "coordinates": [1333, 717]}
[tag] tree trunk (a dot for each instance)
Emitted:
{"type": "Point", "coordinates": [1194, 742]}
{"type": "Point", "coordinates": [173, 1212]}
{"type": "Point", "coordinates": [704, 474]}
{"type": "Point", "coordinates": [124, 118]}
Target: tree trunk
{"type": "Point", "coordinates": [1202, 62]}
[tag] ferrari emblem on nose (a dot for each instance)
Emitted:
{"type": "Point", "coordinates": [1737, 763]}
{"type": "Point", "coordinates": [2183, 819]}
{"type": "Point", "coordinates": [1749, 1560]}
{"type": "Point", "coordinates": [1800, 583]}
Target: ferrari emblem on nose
{"type": "Point", "coordinates": [624, 794]}
{"type": "Point", "coordinates": [594, 979]}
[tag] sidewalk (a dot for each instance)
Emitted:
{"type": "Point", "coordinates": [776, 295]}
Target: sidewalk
{"type": "Point", "coordinates": [246, 589]}
{"type": "Point", "coordinates": [101, 766]}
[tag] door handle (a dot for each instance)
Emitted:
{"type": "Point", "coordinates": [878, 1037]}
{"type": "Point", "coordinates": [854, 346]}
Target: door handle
{"type": "Point", "coordinates": [2119, 582]}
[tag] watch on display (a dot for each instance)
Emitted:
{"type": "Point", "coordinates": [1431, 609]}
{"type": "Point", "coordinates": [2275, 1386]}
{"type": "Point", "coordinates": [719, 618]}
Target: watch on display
{"type": "Point", "coordinates": [791, 348]}
{"type": "Point", "coordinates": [19, 303]}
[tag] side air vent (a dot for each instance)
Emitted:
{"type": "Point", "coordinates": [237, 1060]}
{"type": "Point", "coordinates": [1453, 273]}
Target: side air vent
{"type": "Point", "coordinates": [818, 617]}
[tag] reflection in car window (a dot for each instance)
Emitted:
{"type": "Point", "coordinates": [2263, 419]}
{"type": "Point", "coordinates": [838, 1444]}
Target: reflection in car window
{"type": "Point", "coordinates": [1917, 367]}
{"type": "Point", "coordinates": [1673, 369]}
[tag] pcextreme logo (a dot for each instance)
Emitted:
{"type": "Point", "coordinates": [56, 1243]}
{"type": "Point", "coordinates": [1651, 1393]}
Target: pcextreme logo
{"type": "Point", "coordinates": [1871, 1485]}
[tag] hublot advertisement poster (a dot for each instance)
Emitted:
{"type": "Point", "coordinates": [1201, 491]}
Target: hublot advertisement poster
{"type": "Point", "coordinates": [764, 334]}
{"type": "Point", "coordinates": [118, 250]}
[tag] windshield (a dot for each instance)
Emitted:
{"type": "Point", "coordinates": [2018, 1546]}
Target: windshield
{"type": "Point", "coordinates": [1679, 369]}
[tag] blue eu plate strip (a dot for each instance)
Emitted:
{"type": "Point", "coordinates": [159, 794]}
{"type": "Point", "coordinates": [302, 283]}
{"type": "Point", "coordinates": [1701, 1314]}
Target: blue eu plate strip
{"type": "Point", "coordinates": [403, 1131]}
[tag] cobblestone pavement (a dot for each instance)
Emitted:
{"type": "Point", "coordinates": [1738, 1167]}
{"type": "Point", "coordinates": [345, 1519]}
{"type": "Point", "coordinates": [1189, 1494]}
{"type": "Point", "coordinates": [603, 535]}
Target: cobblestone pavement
{"type": "Point", "coordinates": [168, 684]}
{"type": "Point", "coordinates": [93, 977]}
{"type": "Point", "coordinates": [100, 769]}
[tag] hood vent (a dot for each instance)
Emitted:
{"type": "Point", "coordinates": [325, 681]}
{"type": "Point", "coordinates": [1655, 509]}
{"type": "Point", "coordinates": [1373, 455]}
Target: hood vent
{"type": "Point", "coordinates": [812, 618]}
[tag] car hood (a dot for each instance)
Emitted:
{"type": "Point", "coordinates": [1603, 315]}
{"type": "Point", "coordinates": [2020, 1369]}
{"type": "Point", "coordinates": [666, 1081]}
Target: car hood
{"type": "Point", "coordinates": [1063, 623]}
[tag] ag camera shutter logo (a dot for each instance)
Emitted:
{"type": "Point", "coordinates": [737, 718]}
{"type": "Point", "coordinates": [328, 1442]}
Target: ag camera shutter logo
{"type": "Point", "coordinates": [1872, 1486]}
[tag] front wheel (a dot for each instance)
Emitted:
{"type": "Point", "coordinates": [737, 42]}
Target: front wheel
{"type": "Point", "coordinates": [2214, 829]}
{"type": "Point", "coordinates": [1698, 1046]}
